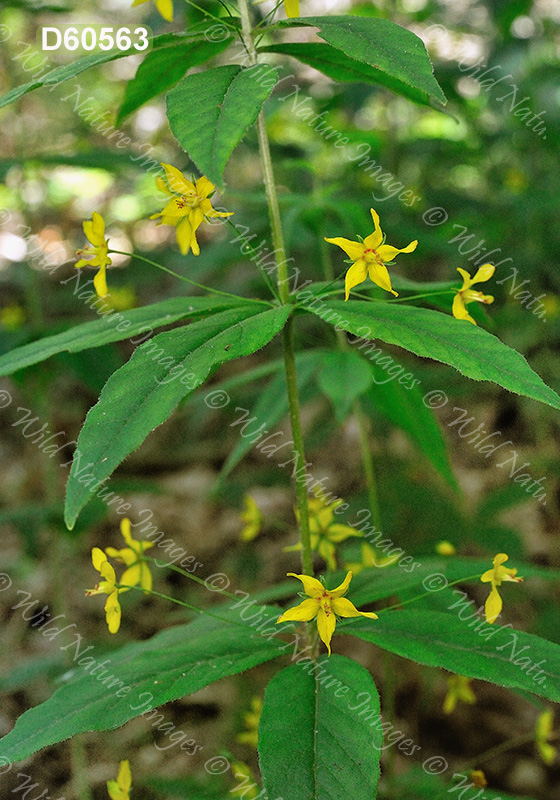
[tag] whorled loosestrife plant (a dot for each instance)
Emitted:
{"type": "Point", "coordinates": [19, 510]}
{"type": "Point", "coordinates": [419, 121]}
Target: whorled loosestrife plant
{"type": "Point", "coordinates": [314, 739]}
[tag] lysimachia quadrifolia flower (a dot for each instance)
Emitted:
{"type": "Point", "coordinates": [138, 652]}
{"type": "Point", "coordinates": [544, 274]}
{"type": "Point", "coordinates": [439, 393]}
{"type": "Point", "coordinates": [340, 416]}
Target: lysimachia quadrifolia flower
{"type": "Point", "coordinates": [165, 8]}
{"type": "Point", "coordinates": [94, 230]}
{"type": "Point", "coordinates": [325, 531]}
{"type": "Point", "coordinates": [188, 208]}
{"type": "Point", "coordinates": [252, 518]}
{"type": "Point", "coordinates": [120, 789]}
{"type": "Point", "coordinates": [543, 733]}
{"type": "Point", "coordinates": [458, 688]}
{"type": "Point", "coordinates": [109, 587]}
{"type": "Point", "coordinates": [370, 257]}
{"type": "Point", "coordinates": [324, 605]}
{"type": "Point", "coordinates": [467, 295]}
{"type": "Point", "coordinates": [291, 7]}
{"type": "Point", "coordinates": [138, 572]}
{"type": "Point", "coordinates": [496, 576]}
{"type": "Point", "coordinates": [371, 558]}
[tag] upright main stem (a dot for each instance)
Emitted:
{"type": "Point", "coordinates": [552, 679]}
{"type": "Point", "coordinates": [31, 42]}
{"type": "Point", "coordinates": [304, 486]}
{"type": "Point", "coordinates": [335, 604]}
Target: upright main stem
{"type": "Point", "coordinates": [284, 294]}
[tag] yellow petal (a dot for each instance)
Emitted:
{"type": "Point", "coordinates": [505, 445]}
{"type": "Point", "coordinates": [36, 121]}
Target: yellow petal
{"type": "Point", "coordinates": [165, 8]}
{"type": "Point", "coordinates": [304, 612]}
{"type": "Point", "coordinates": [344, 608]}
{"type": "Point", "coordinates": [493, 606]}
{"type": "Point", "coordinates": [184, 235]}
{"type": "Point", "coordinates": [97, 558]}
{"type": "Point", "coordinates": [459, 309]}
{"type": "Point", "coordinates": [387, 252]}
{"type": "Point", "coordinates": [204, 187]}
{"type": "Point", "coordinates": [484, 273]}
{"type": "Point", "coordinates": [194, 244]}
{"type": "Point", "coordinates": [124, 778]}
{"type": "Point", "coordinates": [379, 274]}
{"type": "Point", "coordinates": [132, 575]}
{"type": "Point", "coordinates": [326, 623]}
{"type": "Point", "coordinates": [113, 612]}
{"type": "Point", "coordinates": [311, 586]}
{"type": "Point", "coordinates": [176, 180]}
{"type": "Point", "coordinates": [355, 275]}
{"type": "Point", "coordinates": [108, 572]}
{"type": "Point", "coordinates": [467, 280]}
{"type": "Point", "coordinates": [339, 533]}
{"type": "Point", "coordinates": [98, 228]}
{"type": "Point", "coordinates": [125, 531]}
{"type": "Point", "coordinates": [343, 588]}
{"type": "Point", "coordinates": [374, 239]}
{"type": "Point", "coordinates": [354, 250]}
{"type": "Point", "coordinates": [145, 577]}
{"type": "Point", "coordinates": [291, 8]}
{"type": "Point", "coordinates": [100, 282]}
{"type": "Point", "coordinates": [327, 551]}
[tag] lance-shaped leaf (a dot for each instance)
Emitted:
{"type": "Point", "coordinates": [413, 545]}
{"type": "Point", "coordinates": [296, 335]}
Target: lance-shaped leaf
{"type": "Point", "coordinates": [396, 54]}
{"type": "Point", "coordinates": [210, 111]}
{"type": "Point", "coordinates": [468, 646]}
{"type": "Point", "coordinates": [161, 69]}
{"type": "Point", "coordinates": [314, 744]}
{"type": "Point", "coordinates": [470, 349]}
{"type": "Point", "coordinates": [143, 393]}
{"type": "Point", "coordinates": [141, 676]}
{"type": "Point", "coordinates": [134, 324]}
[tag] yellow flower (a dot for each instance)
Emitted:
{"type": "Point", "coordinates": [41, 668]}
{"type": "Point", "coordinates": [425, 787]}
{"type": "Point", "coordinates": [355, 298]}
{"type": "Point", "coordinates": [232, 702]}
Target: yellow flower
{"type": "Point", "coordinates": [445, 549]}
{"type": "Point", "coordinates": [251, 721]}
{"type": "Point", "coordinates": [12, 317]}
{"type": "Point", "coordinates": [324, 605]}
{"type": "Point", "coordinates": [246, 786]}
{"type": "Point", "coordinates": [138, 572]}
{"type": "Point", "coordinates": [291, 7]}
{"type": "Point", "coordinates": [252, 518]}
{"type": "Point", "coordinates": [371, 558]}
{"type": "Point", "coordinates": [188, 207]}
{"type": "Point", "coordinates": [107, 586]}
{"type": "Point", "coordinates": [325, 533]}
{"type": "Point", "coordinates": [543, 733]}
{"type": "Point", "coordinates": [370, 256]}
{"type": "Point", "coordinates": [496, 575]}
{"type": "Point", "coordinates": [165, 8]}
{"type": "Point", "coordinates": [478, 778]}
{"type": "Point", "coordinates": [458, 688]}
{"type": "Point", "coordinates": [94, 230]}
{"type": "Point", "coordinates": [467, 295]}
{"type": "Point", "coordinates": [120, 789]}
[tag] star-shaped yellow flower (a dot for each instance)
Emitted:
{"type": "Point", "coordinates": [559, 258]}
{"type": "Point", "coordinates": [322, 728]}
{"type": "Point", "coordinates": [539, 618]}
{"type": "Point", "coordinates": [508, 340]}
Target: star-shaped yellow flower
{"type": "Point", "coordinates": [291, 7]}
{"type": "Point", "coordinates": [165, 8]}
{"type": "Point", "coordinates": [120, 789]}
{"type": "Point", "coordinates": [138, 572]}
{"type": "Point", "coordinates": [94, 230]}
{"type": "Point", "coordinates": [458, 688]}
{"type": "Point", "coordinates": [543, 732]}
{"type": "Point", "coordinates": [325, 533]}
{"type": "Point", "coordinates": [496, 575]}
{"type": "Point", "coordinates": [467, 295]}
{"type": "Point", "coordinates": [252, 518]}
{"type": "Point", "coordinates": [107, 586]}
{"type": "Point", "coordinates": [370, 257]}
{"type": "Point", "coordinates": [324, 605]}
{"type": "Point", "coordinates": [188, 207]}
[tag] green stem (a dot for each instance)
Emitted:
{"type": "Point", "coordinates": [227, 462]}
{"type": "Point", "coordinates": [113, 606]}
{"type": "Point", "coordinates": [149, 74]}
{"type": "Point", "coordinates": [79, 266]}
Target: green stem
{"type": "Point", "coordinates": [419, 296]}
{"type": "Point", "coordinates": [187, 280]}
{"type": "Point", "coordinates": [262, 271]}
{"type": "Point", "coordinates": [284, 293]}
{"type": "Point", "coordinates": [425, 594]}
{"type": "Point", "coordinates": [190, 576]}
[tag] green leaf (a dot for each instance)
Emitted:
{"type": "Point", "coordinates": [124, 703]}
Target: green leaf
{"type": "Point", "coordinates": [344, 376]}
{"type": "Point", "coordinates": [396, 54]}
{"type": "Point", "coordinates": [471, 350]}
{"type": "Point", "coordinates": [144, 392]}
{"type": "Point", "coordinates": [161, 69]}
{"type": "Point", "coordinates": [210, 111]}
{"type": "Point", "coordinates": [271, 407]}
{"type": "Point", "coordinates": [312, 745]}
{"type": "Point", "coordinates": [174, 663]}
{"type": "Point", "coordinates": [104, 330]}
{"type": "Point", "coordinates": [492, 653]}
{"type": "Point", "coordinates": [402, 404]}
{"type": "Point", "coordinates": [69, 71]}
